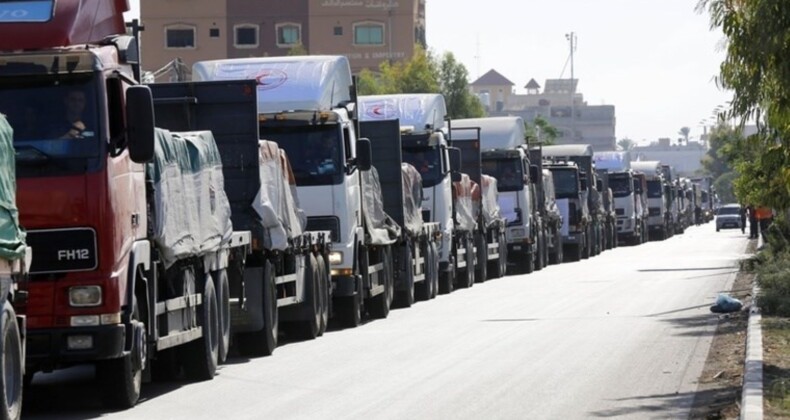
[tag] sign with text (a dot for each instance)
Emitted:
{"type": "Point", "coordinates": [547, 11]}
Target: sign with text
{"type": "Point", "coordinates": [26, 11]}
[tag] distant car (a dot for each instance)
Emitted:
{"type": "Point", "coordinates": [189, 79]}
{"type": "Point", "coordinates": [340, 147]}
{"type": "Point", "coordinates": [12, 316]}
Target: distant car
{"type": "Point", "coordinates": [728, 216]}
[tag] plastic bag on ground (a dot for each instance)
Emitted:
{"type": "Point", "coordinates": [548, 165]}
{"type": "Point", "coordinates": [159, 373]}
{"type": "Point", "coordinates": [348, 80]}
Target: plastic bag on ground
{"type": "Point", "coordinates": [726, 303]}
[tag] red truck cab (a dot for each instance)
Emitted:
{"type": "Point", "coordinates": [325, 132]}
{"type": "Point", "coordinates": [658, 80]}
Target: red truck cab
{"type": "Point", "coordinates": [65, 68]}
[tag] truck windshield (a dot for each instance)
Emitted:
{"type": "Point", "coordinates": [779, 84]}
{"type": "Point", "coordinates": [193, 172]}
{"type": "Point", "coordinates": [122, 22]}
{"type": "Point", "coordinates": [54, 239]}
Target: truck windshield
{"type": "Point", "coordinates": [654, 189]}
{"type": "Point", "coordinates": [315, 151]}
{"type": "Point", "coordinates": [427, 161]}
{"type": "Point", "coordinates": [566, 183]}
{"type": "Point", "coordinates": [507, 173]}
{"type": "Point", "coordinates": [620, 185]}
{"type": "Point", "coordinates": [53, 120]}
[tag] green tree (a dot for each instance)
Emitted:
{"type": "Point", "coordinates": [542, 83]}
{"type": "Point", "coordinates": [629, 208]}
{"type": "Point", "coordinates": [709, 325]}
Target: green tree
{"type": "Point", "coordinates": [368, 83]}
{"type": "Point", "coordinates": [298, 49]}
{"type": "Point", "coordinates": [453, 80]}
{"type": "Point", "coordinates": [757, 70]}
{"type": "Point", "coordinates": [626, 143]}
{"type": "Point", "coordinates": [540, 130]}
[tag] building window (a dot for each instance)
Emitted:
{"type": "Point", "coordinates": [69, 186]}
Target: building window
{"type": "Point", "coordinates": [213, 32]}
{"type": "Point", "coordinates": [288, 34]}
{"type": "Point", "coordinates": [338, 30]}
{"type": "Point", "coordinates": [245, 36]}
{"type": "Point", "coordinates": [180, 37]}
{"type": "Point", "coordinates": [369, 33]}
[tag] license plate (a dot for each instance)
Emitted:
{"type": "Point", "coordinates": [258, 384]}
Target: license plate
{"type": "Point", "coordinates": [517, 248]}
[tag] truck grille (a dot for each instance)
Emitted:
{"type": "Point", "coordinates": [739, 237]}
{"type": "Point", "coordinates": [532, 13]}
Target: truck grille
{"type": "Point", "coordinates": [63, 250]}
{"type": "Point", "coordinates": [330, 223]}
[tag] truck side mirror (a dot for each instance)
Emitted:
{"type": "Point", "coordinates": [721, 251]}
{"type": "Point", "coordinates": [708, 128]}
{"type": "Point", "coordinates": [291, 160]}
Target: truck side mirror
{"type": "Point", "coordinates": [364, 154]}
{"type": "Point", "coordinates": [140, 123]}
{"type": "Point", "coordinates": [455, 163]}
{"type": "Point", "coordinates": [533, 173]}
{"type": "Point", "coordinates": [599, 185]}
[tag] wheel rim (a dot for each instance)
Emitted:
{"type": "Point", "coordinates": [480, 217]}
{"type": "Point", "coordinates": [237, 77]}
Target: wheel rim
{"type": "Point", "coordinates": [11, 360]}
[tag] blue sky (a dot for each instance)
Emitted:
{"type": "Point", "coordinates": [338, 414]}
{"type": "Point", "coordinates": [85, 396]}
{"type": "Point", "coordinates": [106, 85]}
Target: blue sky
{"type": "Point", "coordinates": [654, 60]}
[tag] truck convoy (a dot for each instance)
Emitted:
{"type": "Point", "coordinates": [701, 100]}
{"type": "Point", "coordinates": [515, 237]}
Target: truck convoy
{"type": "Point", "coordinates": [283, 279]}
{"type": "Point", "coordinates": [505, 156]}
{"type": "Point", "coordinates": [307, 106]}
{"type": "Point", "coordinates": [489, 226]}
{"type": "Point", "coordinates": [15, 257]}
{"type": "Point", "coordinates": [658, 216]}
{"type": "Point", "coordinates": [415, 254]}
{"type": "Point", "coordinates": [629, 208]}
{"type": "Point", "coordinates": [426, 147]}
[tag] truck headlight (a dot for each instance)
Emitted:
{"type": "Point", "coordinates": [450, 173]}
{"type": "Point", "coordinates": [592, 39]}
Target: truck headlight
{"type": "Point", "coordinates": [82, 296]}
{"type": "Point", "coordinates": [335, 258]}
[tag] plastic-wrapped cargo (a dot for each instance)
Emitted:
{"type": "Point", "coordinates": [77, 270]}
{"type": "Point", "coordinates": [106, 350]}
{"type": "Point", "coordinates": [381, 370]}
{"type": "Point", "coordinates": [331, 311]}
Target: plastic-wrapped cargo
{"type": "Point", "coordinates": [495, 132]}
{"type": "Point", "coordinates": [462, 199]}
{"type": "Point", "coordinates": [381, 229]}
{"type": "Point", "coordinates": [276, 202]}
{"type": "Point", "coordinates": [191, 211]}
{"type": "Point", "coordinates": [412, 199]}
{"type": "Point", "coordinates": [490, 198]}
{"type": "Point", "coordinates": [286, 83]}
{"type": "Point", "coordinates": [12, 237]}
{"type": "Point", "coordinates": [612, 161]}
{"type": "Point", "coordinates": [421, 111]}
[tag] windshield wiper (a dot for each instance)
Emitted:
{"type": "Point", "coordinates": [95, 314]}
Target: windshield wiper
{"type": "Point", "coordinates": [30, 155]}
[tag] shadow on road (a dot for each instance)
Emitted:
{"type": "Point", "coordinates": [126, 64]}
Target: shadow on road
{"type": "Point", "coordinates": [663, 404]}
{"type": "Point", "coordinates": [651, 270]}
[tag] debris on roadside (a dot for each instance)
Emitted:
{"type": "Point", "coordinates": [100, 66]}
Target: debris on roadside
{"type": "Point", "coordinates": [725, 304]}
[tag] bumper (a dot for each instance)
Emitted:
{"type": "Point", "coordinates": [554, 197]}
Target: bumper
{"type": "Point", "coordinates": [576, 238]}
{"type": "Point", "coordinates": [655, 228]}
{"type": "Point", "coordinates": [343, 286]}
{"type": "Point", "coordinates": [49, 347]}
{"type": "Point", "coordinates": [728, 224]}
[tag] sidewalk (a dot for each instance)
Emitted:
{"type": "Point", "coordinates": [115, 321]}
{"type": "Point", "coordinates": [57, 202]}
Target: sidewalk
{"type": "Point", "coordinates": [752, 396]}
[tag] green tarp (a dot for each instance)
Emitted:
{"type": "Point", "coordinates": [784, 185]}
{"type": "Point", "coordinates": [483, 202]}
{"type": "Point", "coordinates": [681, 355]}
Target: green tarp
{"type": "Point", "coordinates": [12, 237]}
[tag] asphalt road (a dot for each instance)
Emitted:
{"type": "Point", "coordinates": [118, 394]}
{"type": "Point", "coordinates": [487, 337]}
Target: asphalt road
{"type": "Point", "coordinates": [625, 333]}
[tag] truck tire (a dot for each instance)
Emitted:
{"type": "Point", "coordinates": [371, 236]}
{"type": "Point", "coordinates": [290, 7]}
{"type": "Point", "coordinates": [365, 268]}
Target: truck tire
{"type": "Point", "coordinates": [405, 298]}
{"type": "Point", "coordinates": [323, 287]}
{"type": "Point", "coordinates": [447, 278]}
{"type": "Point", "coordinates": [467, 277]}
{"type": "Point", "coordinates": [120, 379]}
{"type": "Point", "coordinates": [200, 356]}
{"type": "Point", "coordinates": [264, 341]}
{"type": "Point", "coordinates": [13, 364]}
{"type": "Point", "coordinates": [223, 303]}
{"type": "Point", "coordinates": [481, 269]}
{"type": "Point", "coordinates": [379, 305]}
{"type": "Point", "coordinates": [309, 327]}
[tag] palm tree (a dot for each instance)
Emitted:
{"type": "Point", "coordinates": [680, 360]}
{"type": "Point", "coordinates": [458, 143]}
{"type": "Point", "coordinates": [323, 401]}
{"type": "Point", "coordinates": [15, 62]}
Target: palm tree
{"type": "Point", "coordinates": [626, 144]}
{"type": "Point", "coordinates": [685, 133]}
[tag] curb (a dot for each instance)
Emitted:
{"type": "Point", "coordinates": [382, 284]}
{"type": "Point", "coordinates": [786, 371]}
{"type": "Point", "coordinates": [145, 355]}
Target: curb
{"type": "Point", "coordinates": [752, 395]}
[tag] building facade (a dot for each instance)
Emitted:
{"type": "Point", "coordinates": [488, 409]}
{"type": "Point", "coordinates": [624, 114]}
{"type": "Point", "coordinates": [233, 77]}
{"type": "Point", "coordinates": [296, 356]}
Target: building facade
{"type": "Point", "coordinates": [368, 32]}
{"type": "Point", "coordinates": [559, 103]}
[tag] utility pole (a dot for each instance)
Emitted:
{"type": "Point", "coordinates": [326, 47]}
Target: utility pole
{"type": "Point", "coordinates": [572, 38]}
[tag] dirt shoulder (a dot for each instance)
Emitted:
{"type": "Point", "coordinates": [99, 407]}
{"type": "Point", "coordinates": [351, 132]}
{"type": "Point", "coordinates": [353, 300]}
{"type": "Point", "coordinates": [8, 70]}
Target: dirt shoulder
{"type": "Point", "coordinates": [719, 389]}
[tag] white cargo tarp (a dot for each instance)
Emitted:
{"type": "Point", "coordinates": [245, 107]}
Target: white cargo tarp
{"type": "Point", "coordinates": [490, 200]}
{"type": "Point", "coordinates": [276, 202]}
{"type": "Point", "coordinates": [422, 111]}
{"type": "Point", "coordinates": [381, 229]}
{"type": "Point", "coordinates": [412, 199]}
{"type": "Point", "coordinates": [462, 199]}
{"type": "Point", "coordinates": [495, 132]}
{"type": "Point", "coordinates": [612, 161]}
{"type": "Point", "coordinates": [191, 210]}
{"type": "Point", "coordinates": [286, 83]}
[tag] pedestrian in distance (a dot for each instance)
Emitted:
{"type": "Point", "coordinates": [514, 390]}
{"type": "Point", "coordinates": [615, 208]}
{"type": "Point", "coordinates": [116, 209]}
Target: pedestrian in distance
{"type": "Point", "coordinates": [752, 222]}
{"type": "Point", "coordinates": [743, 219]}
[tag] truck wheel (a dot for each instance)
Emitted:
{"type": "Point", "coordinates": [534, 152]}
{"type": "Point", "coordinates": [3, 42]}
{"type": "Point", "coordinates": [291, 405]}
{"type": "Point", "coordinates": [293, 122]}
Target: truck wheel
{"type": "Point", "coordinates": [308, 328]}
{"type": "Point", "coordinates": [434, 270]}
{"type": "Point", "coordinates": [121, 379]}
{"type": "Point", "coordinates": [447, 278]}
{"type": "Point", "coordinates": [380, 304]}
{"type": "Point", "coordinates": [13, 364]}
{"type": "Point", "coordinates": [200, 356]}
{"type": "Point", "coordinates": [264, 341]}
{"type": "Point", "coordinates": [223, 303]}
{"type": "Point", "coordinates": [323, 289]}
{"type": "Point", "coordinates": [481, 270]}
{"type": "Point", "coordinates": [405, 298]}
